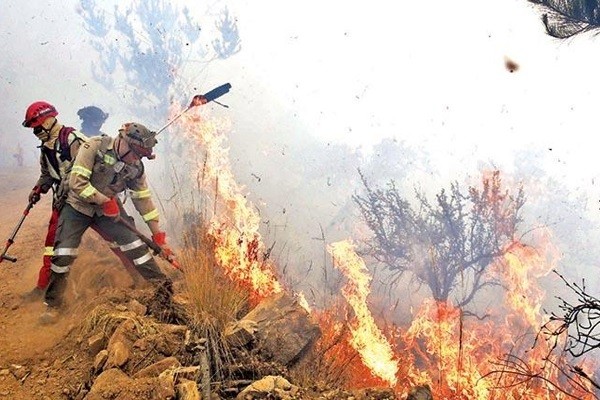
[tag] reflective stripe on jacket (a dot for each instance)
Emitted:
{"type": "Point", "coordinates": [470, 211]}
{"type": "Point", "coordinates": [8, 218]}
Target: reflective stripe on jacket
{"type": "Point", "coordinates": [98, 175]}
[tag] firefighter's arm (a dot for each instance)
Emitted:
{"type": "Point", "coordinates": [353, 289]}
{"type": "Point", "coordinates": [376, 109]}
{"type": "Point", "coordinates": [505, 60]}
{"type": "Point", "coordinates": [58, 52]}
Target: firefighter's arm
{"type": "Point", "coordinates": [81, 173]}
{"type": "Point", "coordinates": [142, 200]}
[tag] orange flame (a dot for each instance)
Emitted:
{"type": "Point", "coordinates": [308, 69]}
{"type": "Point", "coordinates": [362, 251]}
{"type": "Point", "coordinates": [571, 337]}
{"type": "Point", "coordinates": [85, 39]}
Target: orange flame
{"type": "Point", "coordinates": [235, 224]}
{"type": "Point", "coordinates": [367, 339]}
{"type": "Point", "coordinates": [455, 355]}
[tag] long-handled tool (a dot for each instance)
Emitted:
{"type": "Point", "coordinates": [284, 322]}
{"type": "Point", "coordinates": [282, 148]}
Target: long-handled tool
{"type": "Point", "coordinates": [11, 239]}
{"type": "Point", "coordinates": [149, 242]}
{"type": "Point", "coordinates": [200, 99]}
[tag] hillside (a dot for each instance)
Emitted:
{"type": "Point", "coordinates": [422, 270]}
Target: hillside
{"type": "Point", "coordinates": [115, 338]}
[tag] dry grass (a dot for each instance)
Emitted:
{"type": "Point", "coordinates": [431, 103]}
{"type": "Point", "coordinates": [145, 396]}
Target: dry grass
{"type": "Point", "coordinates": [214, 301]}
{"type": "Point", "coordinates": [104, 318]}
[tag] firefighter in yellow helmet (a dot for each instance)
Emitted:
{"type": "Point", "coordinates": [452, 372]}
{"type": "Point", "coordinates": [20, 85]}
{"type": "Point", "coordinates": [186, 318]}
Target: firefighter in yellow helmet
{"type": "Point", "coordinates": [103, 168]}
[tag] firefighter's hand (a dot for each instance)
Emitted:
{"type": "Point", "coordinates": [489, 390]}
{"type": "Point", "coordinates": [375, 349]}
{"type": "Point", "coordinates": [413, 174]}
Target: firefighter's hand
{"type": "Point", "coordinates": [160, 238]}
{"type": "Point", "coordinates": [35, 194]}
{"type": "Point", "coordinates": [111, 208]}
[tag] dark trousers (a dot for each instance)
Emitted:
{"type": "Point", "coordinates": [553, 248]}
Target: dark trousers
{"type": "Point", "coordinates": [44, 274]}
{"type": "Point", "coordinates": [71, 226]}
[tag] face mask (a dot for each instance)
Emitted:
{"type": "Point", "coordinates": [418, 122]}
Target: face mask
{"type": "Point", "coordinates": [41, 133]}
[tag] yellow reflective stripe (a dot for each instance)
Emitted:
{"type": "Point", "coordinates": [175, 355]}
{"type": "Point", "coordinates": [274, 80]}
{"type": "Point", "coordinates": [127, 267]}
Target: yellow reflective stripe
{"type": "Point", "coordinates": [49, 250]}
{"type": "Point", "coordinates": [151, 215]}
{"type": "Point", "coordinates": [141, 194]}
{"type": "Point", "coordinates": [81, 170]}
{"type": "Point", "coordinates": [88, 191]}
{"type": "Point", "coordinates": [110, 160]}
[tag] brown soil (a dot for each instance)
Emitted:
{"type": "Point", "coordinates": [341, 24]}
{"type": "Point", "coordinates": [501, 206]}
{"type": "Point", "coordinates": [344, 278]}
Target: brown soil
{"type": "Point", "coordinates": [33, 357]}
{"type": "Point", "coordinates": [52, 362]}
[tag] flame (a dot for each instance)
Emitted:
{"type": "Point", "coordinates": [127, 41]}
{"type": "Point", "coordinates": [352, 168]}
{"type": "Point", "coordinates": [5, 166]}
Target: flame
{"type": "Point", "coordinates": [456, 355]}
{"type": "Point", "coordinates": [234, 224]}
{"type": "Point", "coordinates": [367, 339]}
{"type": "Point", "coordinates": [462, 355]}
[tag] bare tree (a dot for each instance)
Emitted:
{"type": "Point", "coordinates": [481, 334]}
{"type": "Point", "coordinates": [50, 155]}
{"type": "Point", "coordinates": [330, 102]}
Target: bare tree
{"type": "Point", "coordinates": [445, 244]}
{"type": "Point", "coordinates": [567, 18]}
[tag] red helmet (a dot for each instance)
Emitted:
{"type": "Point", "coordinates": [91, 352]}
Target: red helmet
{"type": "Point", "coordinates": [37, 113]}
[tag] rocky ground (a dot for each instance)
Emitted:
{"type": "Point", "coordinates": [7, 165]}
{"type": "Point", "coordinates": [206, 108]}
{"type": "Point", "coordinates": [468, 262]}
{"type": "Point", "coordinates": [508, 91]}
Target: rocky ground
{"type": "Point", "coordinates": [115, 340]}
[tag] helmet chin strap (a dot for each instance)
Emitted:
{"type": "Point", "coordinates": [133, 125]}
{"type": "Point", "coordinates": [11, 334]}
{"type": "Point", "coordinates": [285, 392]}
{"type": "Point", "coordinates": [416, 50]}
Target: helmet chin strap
{"type": "Point", "coordinates": [121, 157]}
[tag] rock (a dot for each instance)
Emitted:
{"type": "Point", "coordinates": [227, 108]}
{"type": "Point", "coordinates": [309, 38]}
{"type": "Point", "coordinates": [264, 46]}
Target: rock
{"type": "Point", "coordinates": [285, 330]}
{"type": "Point", "coordinates": [420, 393]}
{"type": "Point", "coordinates": [270, 385]}
{"type": "Point", "coordinates": [100, 360]}
{"type": "Point", "coordinates": [115, 384]}
{"type": "Point", "coordinates": [96, 343]}
{"type": "Point", "coordinates": [118, 355]}
{"type": "Point", "coordinates": [240, 333]}
{"type": "Point", "coordinates": [157, 368]}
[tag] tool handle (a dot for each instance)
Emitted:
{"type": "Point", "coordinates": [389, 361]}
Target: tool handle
{"type": "Point", "coordinates": [149, 242]}
{"type": "Point", "coordinates": [11, 239]}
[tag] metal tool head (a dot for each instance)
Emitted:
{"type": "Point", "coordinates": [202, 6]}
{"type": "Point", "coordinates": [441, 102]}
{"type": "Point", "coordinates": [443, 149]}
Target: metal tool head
{"type": "Point", "coordinates": [7, 257]}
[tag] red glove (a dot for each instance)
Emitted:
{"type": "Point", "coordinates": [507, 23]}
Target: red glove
{"type": "Point", "coordinates": [111, 208]}
{"type": "Point", "coordinates": [35, 194]}
{"type": "Point", "coordinates": [160, 239]}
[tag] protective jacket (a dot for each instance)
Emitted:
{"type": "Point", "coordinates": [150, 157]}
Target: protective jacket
{"type": "Point", "coordinates": [98, 175]}
{"type": "Point", "coordinates": [56, 160]}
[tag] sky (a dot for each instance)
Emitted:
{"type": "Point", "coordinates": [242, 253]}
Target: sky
{"type": "Point", "coordinates": [430, 73]}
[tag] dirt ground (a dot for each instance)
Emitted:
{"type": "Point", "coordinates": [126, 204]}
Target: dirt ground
{"type": "Point", "coordinates": [30, 353]}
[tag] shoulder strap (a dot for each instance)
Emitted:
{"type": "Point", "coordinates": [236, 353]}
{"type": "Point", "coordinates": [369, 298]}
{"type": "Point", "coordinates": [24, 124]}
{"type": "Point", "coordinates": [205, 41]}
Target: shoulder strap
{"type": "Point", "coordinates": [105, 140]}
{"type": "Point", "coordinates": [63, 141]}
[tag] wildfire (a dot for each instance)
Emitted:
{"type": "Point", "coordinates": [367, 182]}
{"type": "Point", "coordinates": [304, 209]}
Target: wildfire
{"type": "Point", "coordinates": [458, 355]}
{"type": "Point", "coordinates": [234, 224]}
{"type": "Point", "coordinates": [367, 339]}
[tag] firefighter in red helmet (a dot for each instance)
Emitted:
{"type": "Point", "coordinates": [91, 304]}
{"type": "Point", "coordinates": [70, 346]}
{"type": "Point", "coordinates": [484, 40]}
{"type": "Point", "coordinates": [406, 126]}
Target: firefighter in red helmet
{"type": "Point", "coordinates": [60, 145]}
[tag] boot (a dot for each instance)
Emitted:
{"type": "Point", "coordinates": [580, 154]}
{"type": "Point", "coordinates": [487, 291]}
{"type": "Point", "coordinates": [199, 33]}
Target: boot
{"type": "Point", "coordinates": [34, 294]}
{"type": "Point", "coordinates": [49, 316]}
{"type": "Point", "coordinates": [54, 298]}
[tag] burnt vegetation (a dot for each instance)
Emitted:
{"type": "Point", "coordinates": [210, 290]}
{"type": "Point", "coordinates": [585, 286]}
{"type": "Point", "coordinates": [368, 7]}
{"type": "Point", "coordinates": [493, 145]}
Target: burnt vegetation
{"type": "Point", "coordinates": [445, 243]}
{"type": "Point", "coordinates": [567, 18]}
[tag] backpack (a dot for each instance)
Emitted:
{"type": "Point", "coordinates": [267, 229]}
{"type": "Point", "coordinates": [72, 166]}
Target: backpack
{"type": "Point", "coordinates": [64, 147]}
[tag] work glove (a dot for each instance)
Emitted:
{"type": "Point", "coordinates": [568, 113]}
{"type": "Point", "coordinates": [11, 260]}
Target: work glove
{"type": "Point", "coordinates": [160, 238]}
{"type": "Point", "coordinates": [111, 208]}
{"type": "Point", "coordinates": [35, 195]}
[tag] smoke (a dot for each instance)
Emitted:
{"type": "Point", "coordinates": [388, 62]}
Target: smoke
{"type": "Point", "coordinates": [419, 97]}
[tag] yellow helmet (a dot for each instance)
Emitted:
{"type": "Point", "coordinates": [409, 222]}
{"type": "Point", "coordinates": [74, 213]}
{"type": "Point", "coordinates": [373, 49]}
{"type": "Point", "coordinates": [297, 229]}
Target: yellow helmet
{"type": "Point", "coordinates": [140, 139]}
